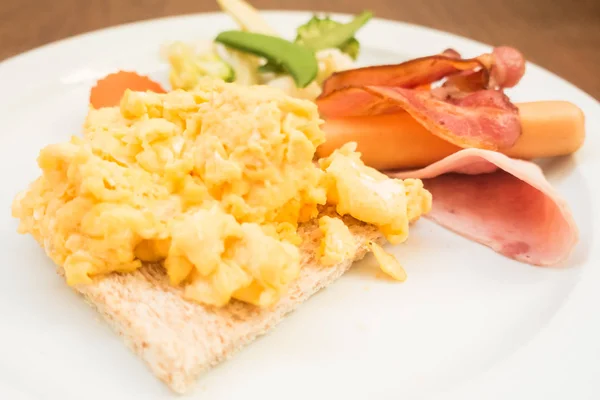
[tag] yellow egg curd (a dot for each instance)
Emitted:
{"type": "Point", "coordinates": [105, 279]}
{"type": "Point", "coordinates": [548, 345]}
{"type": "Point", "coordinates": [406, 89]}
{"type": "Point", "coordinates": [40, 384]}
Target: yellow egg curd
{"type": "Point", "coordinates": [212, 184]}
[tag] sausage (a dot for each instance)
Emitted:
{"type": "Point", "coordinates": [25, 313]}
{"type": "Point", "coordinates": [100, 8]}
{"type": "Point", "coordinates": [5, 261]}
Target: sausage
{"type": "Point", "coordinates": [397, 141]}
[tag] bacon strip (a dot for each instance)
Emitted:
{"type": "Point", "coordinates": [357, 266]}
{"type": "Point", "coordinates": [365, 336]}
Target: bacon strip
{"type": "Point", "coordinates": [409, 74]}
{"type": "Point", "coordinates": [356, 102]}
{"type": "Point", "coordinates": [484, 119]}
{"type": "Point", "coordinates": [500, 202]}
{"type": "Point", "coordinates": [508, 67]}
{"type": "Point", "coordinates": [503, 68]}
{"type": "Point", "coordinates": [468, 110]}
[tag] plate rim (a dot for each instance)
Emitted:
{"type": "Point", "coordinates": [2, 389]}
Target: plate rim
{"type": "Point", "coordinates": [40, 50]}
{"type": "Point", "coordinates": [268, 12]}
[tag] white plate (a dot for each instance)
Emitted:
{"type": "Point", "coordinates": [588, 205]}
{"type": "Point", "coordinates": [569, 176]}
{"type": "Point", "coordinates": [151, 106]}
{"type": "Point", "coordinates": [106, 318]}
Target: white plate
{"type": "Point", "coordinates": [467, 324]}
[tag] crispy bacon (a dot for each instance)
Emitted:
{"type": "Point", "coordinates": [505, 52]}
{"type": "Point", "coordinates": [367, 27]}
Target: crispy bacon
{"type": "Point", "coordinates": [467, 81]}
{"type": "Point", "coordinates": [508, 67]}
{"type": "Point", "coordinates": [469, 109]}
{"type": "Point", "coordinates": [484, 119]}
{"type": "Point", "coordinates": [356, 102]}
{"type": "Point", "coordinates": [409, 74]}
{"type": "Point", "coordinates": [503, 68]}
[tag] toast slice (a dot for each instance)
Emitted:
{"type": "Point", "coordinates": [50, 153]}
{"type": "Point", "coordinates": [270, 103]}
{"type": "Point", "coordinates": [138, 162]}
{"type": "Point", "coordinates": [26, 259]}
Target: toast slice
{"type": "Point", "coordinates": [179, 339]}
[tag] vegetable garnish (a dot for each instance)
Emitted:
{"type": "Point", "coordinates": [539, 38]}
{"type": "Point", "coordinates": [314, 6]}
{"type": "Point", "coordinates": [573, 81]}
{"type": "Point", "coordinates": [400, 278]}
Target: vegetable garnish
{"type": "Point", "coordinates": [246, 16]}
{"type": "Point", "coordinates": [189, 65]}
{"type": "Point", "coordinates": [109, 90]}
{"type": "Point", "coordinates": [322, 26]}
{"type": "Point", "coordinates": [325, 33]}
{"type": "Point", "coordinates": [299, 61]}
{"type": "Point", "coordinates": [318, 32]}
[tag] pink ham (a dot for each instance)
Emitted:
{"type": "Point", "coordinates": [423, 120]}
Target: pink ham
{"type": "Point", "coordinates": [500, 202]}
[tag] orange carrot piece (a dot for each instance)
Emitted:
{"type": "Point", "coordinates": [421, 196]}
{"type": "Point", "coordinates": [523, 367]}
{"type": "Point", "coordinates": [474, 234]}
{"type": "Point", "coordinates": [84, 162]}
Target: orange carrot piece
{"type": "Point", "coordinates": [109, 90]}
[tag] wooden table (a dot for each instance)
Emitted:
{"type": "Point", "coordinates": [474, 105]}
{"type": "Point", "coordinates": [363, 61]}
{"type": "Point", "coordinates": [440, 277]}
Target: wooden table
{"type": "Point", "coordinates": [560, 35]}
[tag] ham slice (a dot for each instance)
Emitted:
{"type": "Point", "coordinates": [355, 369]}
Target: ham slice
{"type": "Point", "coordinates": [503, 203]}
{"type": "Point", "coordinates": [483, 119]}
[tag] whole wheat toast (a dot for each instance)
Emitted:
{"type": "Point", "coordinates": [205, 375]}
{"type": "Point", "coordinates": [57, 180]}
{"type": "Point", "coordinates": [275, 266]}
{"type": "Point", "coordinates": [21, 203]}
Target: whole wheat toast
{"type": "Point", "coordinates": [179, 339]}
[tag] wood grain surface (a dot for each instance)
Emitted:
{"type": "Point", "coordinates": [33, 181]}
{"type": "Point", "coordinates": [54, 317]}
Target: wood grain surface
{"type": "Point", "coordinates": [560, 35]}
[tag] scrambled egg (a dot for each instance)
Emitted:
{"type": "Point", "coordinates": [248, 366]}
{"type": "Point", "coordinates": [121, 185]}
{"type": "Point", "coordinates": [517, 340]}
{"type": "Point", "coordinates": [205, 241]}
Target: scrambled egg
{"type": "Point", "coordinates": [337, 244]}
{"type": "Point", "coordinates": [372, 197]}
{"type": "Point", "coordinates": [212, 184]}
{"type": "Point", "coordinates": [387, 262]}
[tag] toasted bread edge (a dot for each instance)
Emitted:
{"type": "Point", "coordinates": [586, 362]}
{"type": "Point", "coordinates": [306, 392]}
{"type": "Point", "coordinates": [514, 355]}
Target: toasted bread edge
{"type": "Point", "coordinates": [178, 339]}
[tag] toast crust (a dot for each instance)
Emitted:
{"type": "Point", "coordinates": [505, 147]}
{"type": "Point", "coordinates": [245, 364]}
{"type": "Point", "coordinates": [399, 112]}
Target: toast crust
{"type": "Point", "coordinates": [179, 339]}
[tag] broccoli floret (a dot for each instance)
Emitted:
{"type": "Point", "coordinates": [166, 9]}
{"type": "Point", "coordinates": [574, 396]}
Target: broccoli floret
{"type": "Point", "coordinates": [212, 65]}
{"type": "Point", "coordinates": [317, 32]}
{"type": "Point", "coordinates": [351, 47]}
{"type": "Point", "coordinates": [314, 28]}
{"type": "Point", "coordinates": [323, 33]}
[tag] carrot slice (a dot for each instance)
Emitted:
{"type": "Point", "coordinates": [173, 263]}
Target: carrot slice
{"type": "Point", "coordinates": [109, 90]}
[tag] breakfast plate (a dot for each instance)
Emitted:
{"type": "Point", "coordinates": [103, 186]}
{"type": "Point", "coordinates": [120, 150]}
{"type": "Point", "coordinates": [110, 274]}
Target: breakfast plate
{"type": "Point", "coordinates": [467, 324]}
